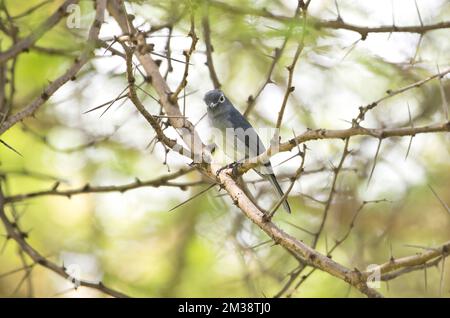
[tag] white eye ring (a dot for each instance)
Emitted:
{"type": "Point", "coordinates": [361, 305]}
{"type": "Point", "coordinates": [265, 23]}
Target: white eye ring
{"type": "Point", "coordinates": [221, 98]}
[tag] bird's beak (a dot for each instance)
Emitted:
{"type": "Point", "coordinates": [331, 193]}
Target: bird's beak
{"type": "Point", "coordinates": [212, 105]}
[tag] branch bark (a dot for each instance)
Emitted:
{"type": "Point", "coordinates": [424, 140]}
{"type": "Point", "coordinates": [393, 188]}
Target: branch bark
{"type": "Point", "coordinates": [70, 74]}
{"type": "Point", "coordinates": [14, 233]}
{"type": "Point", "coordinates": [337, 24]}
{"type": "Point", "coordinates": [307, 254]}
{"type": "Point", "coordinates": [37, 33]}
{"type": "Point", "coordinates": [183, 126]}
{"type": "Point", "coordinates": [12, 229]}
{"type": "Point", "coordinates": [297, 248]}
{"type": "Point", "coordinates": [317, 134]}
{"type": "Point", "coordinates": [162, 181]}
{"type": "Point", "coordinates": [413, 260]}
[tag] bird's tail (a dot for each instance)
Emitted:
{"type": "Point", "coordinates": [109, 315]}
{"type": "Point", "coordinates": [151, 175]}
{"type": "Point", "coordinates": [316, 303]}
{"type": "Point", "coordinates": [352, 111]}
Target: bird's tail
{"type": "Point", "coordinates": [266, 171]}
{"type": "Point", "coordinates": [273, 180]}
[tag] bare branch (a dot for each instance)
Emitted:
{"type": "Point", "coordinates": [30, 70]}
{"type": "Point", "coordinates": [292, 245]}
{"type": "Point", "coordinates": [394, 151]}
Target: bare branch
{"type": "Point", "coordinates": [413, 260]}
{"type": "Point", "coordinates": [188, 55]}
{"type": "Point", "coordinates": [86, 189]}
{"type": "Point", "coordinates": [189, 135]}
{"type": "Point", "coordinates": [331, 24]}
{"type": "Point", "coordinates": [209, 49]}
{"type": "Point", "coordinates": [318, 134]}
{"type": "Point", "coordinates": [70, 74]}
{"type": "Point", "coordinates": [18, 236]}
{"type": "Point", "coordinates": [291, 244]}
{"type": "Point", "coordinates": [37, 33]}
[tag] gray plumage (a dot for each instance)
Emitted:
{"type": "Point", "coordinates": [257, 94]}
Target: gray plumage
{"type": "Point", "coordinates": [240, 138]}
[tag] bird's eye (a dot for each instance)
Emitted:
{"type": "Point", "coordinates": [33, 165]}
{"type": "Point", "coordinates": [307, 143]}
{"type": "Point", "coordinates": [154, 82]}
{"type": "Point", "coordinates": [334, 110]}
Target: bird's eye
{"type": "Point", "coordinates": [221, 99]}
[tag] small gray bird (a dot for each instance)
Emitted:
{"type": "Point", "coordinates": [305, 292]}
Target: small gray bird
{"type": "Point", "coordinates": [241, 139]}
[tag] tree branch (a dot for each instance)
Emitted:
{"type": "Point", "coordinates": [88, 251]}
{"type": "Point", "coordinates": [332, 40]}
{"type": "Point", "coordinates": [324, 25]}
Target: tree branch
{"type": "Point", "coordinates": [183, 126]}
{"type": "Point", "coordinates": [37, 33]}
{"type": "Point", "coordinates": [209, 50]}
{"type": "Point", "coordinates": [162, 181]}
{"type": "Point", "coordinates": [317, 134]}
{"type": "Point", "coordinates": [413, 260]}
{"type": "Point", "coordinates": [309, 255]}
{"type": "Point", "coordinates": [13, 232]}
{"type": "Point", "coordinates": [331, 24]}
{"type": "Point", "coordinates": [31, 108]}
{"type": "Point", "coordinates": [364, 31]}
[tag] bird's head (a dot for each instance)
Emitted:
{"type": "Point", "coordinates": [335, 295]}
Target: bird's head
{"type": "Point", "coordinates": [214, 98]}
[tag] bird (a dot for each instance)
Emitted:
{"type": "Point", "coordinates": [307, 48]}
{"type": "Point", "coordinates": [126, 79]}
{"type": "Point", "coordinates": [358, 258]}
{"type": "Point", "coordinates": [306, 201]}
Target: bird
{"type": "Point", "coordinates": [241, 139]}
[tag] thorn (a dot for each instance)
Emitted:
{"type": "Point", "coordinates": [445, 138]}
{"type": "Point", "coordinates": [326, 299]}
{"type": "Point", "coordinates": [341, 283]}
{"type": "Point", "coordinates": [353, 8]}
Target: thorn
{"type": "Point", "coordinates": [10, 148]}
{"type": "Point", "coordinates": [444, 205]}
{"type": "Point", "coordinates": [412, 136]}
{"type": "Point", "coordinates": [418, 13]}
{"type": "Point", "coordinates": [374, 161]}
{"type": "Point", "coordinates": [193, 197]}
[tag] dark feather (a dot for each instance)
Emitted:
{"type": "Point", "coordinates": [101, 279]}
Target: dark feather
{"type": "Point", "coordinates": [223, 115]}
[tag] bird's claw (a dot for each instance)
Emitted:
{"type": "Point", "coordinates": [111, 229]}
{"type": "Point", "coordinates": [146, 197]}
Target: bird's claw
{"type": "Point", "coordinates": [220, 170]}
{"type": "Point", "coordinates": [234, 169]}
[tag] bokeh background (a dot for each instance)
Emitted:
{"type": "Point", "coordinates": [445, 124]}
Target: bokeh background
{"type": "Point", "coordinates": [206, 247]}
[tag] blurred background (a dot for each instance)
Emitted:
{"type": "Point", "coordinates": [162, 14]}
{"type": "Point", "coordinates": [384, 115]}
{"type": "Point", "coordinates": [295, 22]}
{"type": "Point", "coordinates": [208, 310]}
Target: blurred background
{"type": "Point", "coordinates": [206, 247]}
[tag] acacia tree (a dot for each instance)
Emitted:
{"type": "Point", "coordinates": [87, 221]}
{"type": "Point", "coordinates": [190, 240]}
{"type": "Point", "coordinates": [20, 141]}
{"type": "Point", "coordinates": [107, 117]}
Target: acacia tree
{"type": "Point", "coordinates": [297, 66]}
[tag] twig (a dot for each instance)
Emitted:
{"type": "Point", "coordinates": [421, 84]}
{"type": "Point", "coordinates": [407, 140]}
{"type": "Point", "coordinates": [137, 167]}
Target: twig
{"type": "Point", "coordinates": [188, 55]}
{"type": "Point", "coordinates": [319, 134]}
{"type": "Point", "coordinates": [209, 49]}
{"type": "Point", "coordinates": [277, 55]}
{"type": "Point", "coordinates": [31, 108]}
{"type": "Point", "coordinates": [290, 89]}
{"type": "Point", "coordinates": [19, 237]}
{"type": "Point", "coordinates": [330, 24]}
{"type": "Point", "coordinates": [413, 260]}
{"type": "Point", "coordinates": [37, 33]}
{"type": "Point", "coordinates": [86, 189]}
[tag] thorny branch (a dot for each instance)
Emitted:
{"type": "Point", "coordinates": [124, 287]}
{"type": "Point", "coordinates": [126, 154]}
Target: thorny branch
{"type": "Point", "coordinates": [27, 42]}
{"type": "Point", "coordinates": [289, 87]}
{"type": "Point", "coordinates": [70, 74]}
{"type": "Point", "coordinates": [158, 182]}
{"type": "Point", "coordinates": [20, 238]}
{"type": "Point", "coordinates": [318, 134]}
{"type": "Point", "coordinates": [330, 24]}
{"type": "Point", "coordinates": [209, 49]}
{"type": "Point", "coordinates": [188, 55]}
{"type": "Point", "coordinates": [12, 228]}
{"type": "Point", "coordinates": [309, 255]}
{"type": "Point", "coordinates": [251, 101]}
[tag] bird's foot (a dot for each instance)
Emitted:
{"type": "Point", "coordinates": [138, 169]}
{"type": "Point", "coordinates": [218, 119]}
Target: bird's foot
{"type": "Point", "coordinates": [234, 166]}
{"type": "Point", "coordinates": [235, 169]}
{"type": "Point", "coordinates": [221, 169]}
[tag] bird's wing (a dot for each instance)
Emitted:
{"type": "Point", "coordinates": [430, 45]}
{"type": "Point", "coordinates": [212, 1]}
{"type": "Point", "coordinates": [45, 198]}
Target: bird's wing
{"type": "Point", "coordinates": [247, 144]}
{"type": "Point", "coordinates": [244, 142]}
{"type": "Point", "coordinates": [245, 135]}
